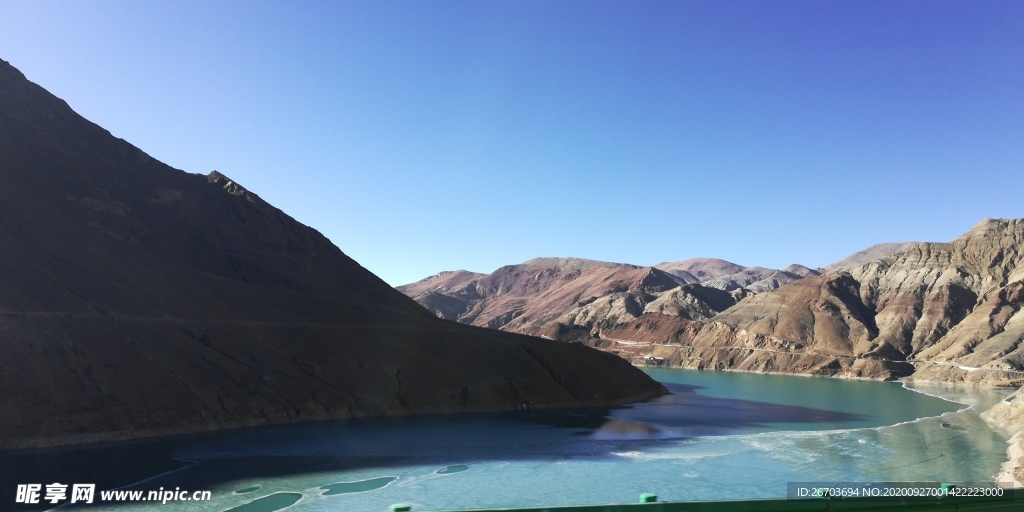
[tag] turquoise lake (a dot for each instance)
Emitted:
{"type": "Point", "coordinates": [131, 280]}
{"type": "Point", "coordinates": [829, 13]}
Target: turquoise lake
{"type": "Point", "coordinates": [720, 435]}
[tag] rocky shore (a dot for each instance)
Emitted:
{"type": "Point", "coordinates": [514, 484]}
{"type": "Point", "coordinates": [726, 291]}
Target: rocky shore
{"type": "Point", "coordinates": [1008, 416]}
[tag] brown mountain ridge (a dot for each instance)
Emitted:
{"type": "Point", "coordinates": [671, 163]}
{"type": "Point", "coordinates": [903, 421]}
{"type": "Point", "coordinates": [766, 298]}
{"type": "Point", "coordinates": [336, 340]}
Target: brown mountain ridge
{"type": "Point", "coordinates": [573, 299]}
{"type": "Point", "coordinates": [938, 311]}
{"type": "Point", "coordinates": [942, 311]}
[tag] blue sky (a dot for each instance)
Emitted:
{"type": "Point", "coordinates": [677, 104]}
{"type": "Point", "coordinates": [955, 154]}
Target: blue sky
{"type": "Point", "coordinates": [429, 136]}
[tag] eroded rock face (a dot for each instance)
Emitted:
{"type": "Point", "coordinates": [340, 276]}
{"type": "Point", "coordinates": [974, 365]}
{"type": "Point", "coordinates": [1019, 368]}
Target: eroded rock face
{"type": "Point", "coordinates": [535, 296]}
{"type": "Point", "coordinates": [724, 275]}
{"type": "Point", "coordinates": [955, 303]}
{"type": "Point", "coordinates": [139, 300]}
{"type": "Point", "coordinates": [691, 302]}
{"type": "Point", "coordinates": [949, 312]}
{"type": "Point", "coordinates": [940, 311]}
{"type": "Point", "coordinates": [576, 300]}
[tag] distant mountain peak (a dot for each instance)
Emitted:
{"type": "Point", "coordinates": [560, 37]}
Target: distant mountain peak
{"type": "Point", "coordinates": [801, 270]}
{"type": "Point", "coordinates": [988, 226]}
{"type": "Point", "coordinates": [693, 263]}
{"type": "Point", "coordinates": [568, 263]}
{"type": "Point", "coordinates": [875, 252]}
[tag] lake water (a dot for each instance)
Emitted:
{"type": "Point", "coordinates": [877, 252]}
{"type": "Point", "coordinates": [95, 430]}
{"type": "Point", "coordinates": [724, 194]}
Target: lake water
{"type": "Point", "coordinates": [720, 435]}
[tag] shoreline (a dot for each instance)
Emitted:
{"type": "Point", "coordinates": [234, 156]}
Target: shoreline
{"type": "Point", "coordinates": [100, 439]}
{"type": "Point", "coordinates": [907, 379]}
{"type": "Point", "coordinates": [1007, 416]}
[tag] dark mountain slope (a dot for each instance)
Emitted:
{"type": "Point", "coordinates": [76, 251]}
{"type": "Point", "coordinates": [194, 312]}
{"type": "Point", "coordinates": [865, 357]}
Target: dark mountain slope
{"type": "Point", "coordinates": [139, 300]}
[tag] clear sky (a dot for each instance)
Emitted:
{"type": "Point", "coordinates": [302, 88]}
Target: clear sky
{"type": "Point", "coordinates": [436, 135]}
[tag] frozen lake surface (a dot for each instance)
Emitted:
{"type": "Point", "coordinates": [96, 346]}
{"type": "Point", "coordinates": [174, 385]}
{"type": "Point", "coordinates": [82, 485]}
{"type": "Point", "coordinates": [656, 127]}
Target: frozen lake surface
{"type": "Point", "coordinates": [720, 435]}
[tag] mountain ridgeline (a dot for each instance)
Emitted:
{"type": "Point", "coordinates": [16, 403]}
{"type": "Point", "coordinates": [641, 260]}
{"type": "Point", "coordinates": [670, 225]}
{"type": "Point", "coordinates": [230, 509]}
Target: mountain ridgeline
{"type": "Point", "coordinates": [572, 298]}
{"type": "Point", "coordinates": [138, 300]}
{"type": "Point", "coordinates": [938, 311]}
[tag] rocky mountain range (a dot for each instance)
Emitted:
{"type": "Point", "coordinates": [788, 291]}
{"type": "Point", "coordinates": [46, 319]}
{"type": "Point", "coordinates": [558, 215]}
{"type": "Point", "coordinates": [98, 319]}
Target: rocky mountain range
{"type": "Point", "coordinates": [938, 311]}
{"type": "Point", "coordinates": [942, 311]}
{"type": "Point", "coordinates": [140, 300]}
{"type": "Point", "coordinates": [724, 275]}
{"type": "Point", "coordinates": [577, 299]}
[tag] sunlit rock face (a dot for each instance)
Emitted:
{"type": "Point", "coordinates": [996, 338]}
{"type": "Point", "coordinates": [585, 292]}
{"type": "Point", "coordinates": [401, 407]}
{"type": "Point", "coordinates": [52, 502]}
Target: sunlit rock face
{"type": "Point", "coordinates": [936, 311]}
{"type": "Point", "coordinates": [576, 299]}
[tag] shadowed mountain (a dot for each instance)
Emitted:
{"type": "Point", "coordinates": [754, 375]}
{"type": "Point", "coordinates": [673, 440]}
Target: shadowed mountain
{"type": "Point", "coordinates": [139, 300]}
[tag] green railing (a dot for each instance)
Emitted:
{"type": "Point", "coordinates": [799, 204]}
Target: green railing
{"type": "Point", "coordinates": [1011, 501]}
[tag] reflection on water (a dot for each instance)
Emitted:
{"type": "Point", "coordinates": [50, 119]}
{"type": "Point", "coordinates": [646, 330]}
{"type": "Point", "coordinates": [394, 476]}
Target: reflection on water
{"type": "Point", "coordinates": [718, 436]}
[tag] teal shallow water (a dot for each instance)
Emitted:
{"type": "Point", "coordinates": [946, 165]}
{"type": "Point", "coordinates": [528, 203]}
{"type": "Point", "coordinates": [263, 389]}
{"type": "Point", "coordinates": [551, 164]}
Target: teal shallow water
{"type": "Point", "coordinates": [721, 435]}
{"type": "Point", "coordinates": [877, 403]}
